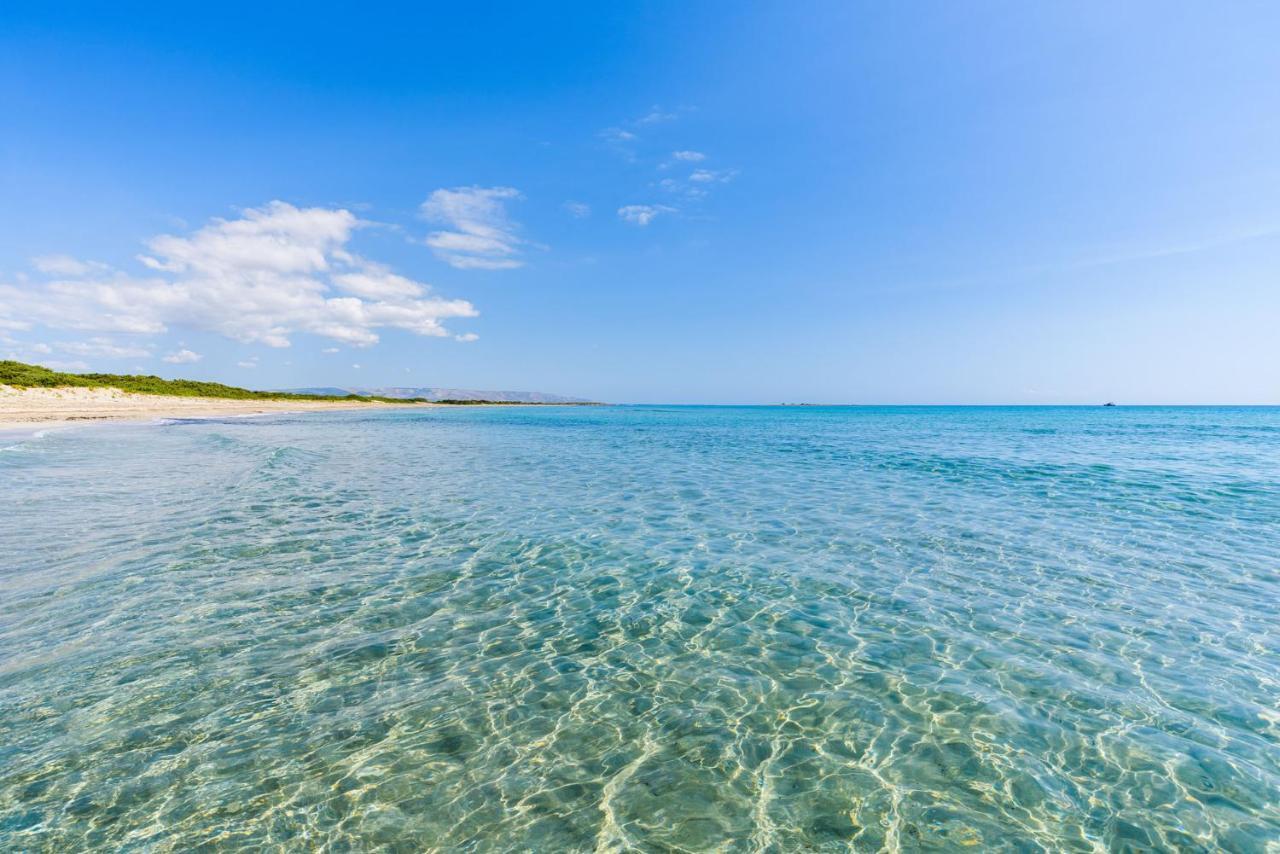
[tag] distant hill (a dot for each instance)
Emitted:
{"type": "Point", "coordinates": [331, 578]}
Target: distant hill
{"type": "Point", "coordinates": [432, 393]}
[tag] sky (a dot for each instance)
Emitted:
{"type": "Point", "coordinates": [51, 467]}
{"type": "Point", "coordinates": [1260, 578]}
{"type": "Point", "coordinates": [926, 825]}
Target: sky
{"type": "Point", "coordinates": [710, 202]}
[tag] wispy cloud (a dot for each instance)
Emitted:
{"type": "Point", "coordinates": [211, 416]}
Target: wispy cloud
{"type": "Point", "coordinates": [467, 337]}
{"type": "Point", "coordinates": [617, 135]}
{"type": "Point", "coordinates": [480, 236]}
{"type": "Point", "coordinates": [697, 186]}
{"type": "Point", "coordinates": [710, 176]}
{"type": "Point", "coordinates": [65, 265]}
{"type": "Point", "coordinates": [656, 116]}
{"type": "Point", "coordinates": [182, 357]}
{"type": "Point", "coordinates": [625, 138]}
{"type": "Point", "coordinates": [643, 214]}
{"type": "Point", "coordinates": [621, 142]}
{"type": "Point", "coordinates": [689, 156]}
{"type": "Point", "coordinates": [275, 271]}
{"type": "Point", "coordinates": [577, 210]}
{"type": "Point", "coordinates": [104, 348]}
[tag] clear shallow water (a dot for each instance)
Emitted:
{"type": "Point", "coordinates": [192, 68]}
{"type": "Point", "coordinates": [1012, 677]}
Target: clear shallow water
{"type": "Point", "coordinates": [694, 629]}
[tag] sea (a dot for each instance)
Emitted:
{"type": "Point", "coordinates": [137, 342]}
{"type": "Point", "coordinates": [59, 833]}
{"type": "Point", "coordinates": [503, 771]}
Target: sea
{"type": "Point", "coordinates": [644, 628]}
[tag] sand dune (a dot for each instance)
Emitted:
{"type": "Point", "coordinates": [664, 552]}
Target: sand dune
{"type": "Point", "coordinates": [46, 407]}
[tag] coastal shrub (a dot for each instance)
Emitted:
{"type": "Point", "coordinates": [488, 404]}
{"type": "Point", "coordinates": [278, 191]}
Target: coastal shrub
{"type": "Point", "coordinates": [22, 375]}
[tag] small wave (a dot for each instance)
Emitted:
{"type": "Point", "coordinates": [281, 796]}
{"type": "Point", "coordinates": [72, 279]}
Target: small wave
{"type": "Point", "coordinates": [25, 438]}
{"type": "Point", "coordinates": [233, 418]}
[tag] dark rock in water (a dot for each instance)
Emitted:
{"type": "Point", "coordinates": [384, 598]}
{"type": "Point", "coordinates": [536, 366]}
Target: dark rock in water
{"type": "Point", "coordinates": [1108, 403]}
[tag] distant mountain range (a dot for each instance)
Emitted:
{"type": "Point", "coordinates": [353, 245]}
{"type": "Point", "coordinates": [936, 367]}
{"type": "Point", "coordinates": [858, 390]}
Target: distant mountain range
{"type": "Point", "coordinates": [431, 393]}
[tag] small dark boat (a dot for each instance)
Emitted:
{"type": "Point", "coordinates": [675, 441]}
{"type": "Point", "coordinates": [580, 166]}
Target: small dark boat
{"type": "Point", "coordinates": [1108, 403]}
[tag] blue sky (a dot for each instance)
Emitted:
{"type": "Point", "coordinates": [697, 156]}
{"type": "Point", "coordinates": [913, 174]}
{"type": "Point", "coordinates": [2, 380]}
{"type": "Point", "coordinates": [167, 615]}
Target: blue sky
{"type": "Point", "coordinates": [640, 202]}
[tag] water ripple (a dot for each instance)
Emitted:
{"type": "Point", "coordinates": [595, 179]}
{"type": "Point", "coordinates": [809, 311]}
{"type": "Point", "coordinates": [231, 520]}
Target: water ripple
{"type": "Point", "coordinates": [659, 629]}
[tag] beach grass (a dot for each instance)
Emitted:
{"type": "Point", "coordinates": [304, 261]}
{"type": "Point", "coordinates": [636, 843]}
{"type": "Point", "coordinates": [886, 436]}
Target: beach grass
{"type": "Point", "coordinates": [23, 375]}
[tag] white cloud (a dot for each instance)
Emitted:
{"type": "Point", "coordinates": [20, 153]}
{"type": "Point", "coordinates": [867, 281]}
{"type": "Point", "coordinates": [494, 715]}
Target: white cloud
{"type": "Point", "coordinates": [642, 214]}
{"type": "Point", "coordinates": [251, 362]}
{"type": "Point", "coordinates": [182, 357]}
{"type": "Point", "coordinates": [74, 365]}
{"type": "Point", "coordinates": [41, 349]}
{"type": "Point", "coordinates": [624, 139]}
{"type": "Point", "coordinates": [617, 135]}
{"type": "Point", "coordinates": [656, 116]}
{"type": "Point", "coordinates": [356, 366]}
{"type": "Point", "coordinates": [698, 185]}
{"type": "Point", "coordinates": [578, 210]}
{"type": "Point", "coordinates": [467, 337]}
{"type": "Point", "coordinates": [621, 142]}
{"type": "Point", "coordinates": [689, 156]}
{"type": "Point", "coordinates": [377, 282]}
{"type": "Point", "coordinates": [329, 350]}
{"type": "Point", "coordinates": [480, 236]}
{"type": "Point", "coordinates": [65, 265]}
{"type": "Point", "coordinates": [103, 348]}
{"type": "Point", "coordinates": [261, 278]}
{"type": "Point", "coordinates": [708, 176]}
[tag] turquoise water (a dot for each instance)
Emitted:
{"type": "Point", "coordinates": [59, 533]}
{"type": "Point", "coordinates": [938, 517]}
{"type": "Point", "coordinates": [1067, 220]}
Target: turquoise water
{"type": "Point", "coordinates": [648, 628]}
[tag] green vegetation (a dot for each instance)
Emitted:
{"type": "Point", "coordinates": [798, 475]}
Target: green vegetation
{"type": "Point", "coordinates": [21, 375]}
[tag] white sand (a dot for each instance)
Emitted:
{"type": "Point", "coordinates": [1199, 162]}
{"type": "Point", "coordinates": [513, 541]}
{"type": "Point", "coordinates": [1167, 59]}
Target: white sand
{"type": "Point", "coordinates": [51, 407]}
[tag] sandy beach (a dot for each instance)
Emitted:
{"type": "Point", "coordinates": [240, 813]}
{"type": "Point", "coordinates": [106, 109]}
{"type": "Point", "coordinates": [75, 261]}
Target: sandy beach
{"type": "Point", "coordinates": [52, 407]}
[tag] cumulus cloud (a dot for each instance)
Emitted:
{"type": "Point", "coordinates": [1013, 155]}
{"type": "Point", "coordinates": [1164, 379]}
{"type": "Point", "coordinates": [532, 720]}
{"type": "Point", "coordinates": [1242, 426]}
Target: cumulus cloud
{"type": "Point", "coordinates": [642, 214]}
{"type": "Point", "coordinates": [274, 272]}
{"type": "Point", "coordinates": [182, 357]}
{"type": "Point", "coordinates": [378, 283]}
{"type": "Point", "coordinates": [689, 156]}
{"type": "Point", "coordinates": [479, 235]}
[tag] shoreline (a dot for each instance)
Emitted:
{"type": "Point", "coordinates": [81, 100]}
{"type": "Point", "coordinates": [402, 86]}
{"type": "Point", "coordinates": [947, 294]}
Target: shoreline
{"type": "Point", "coordinates": [41, 408]}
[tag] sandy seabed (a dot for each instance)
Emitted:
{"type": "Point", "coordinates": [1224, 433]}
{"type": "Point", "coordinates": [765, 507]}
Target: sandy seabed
{"type": "Point", "coordinates": [22, 408]}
